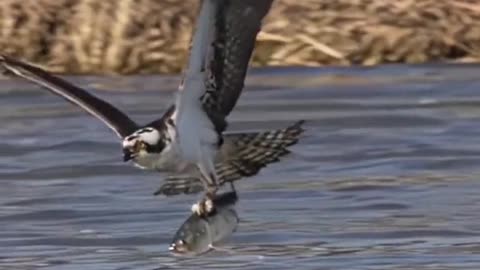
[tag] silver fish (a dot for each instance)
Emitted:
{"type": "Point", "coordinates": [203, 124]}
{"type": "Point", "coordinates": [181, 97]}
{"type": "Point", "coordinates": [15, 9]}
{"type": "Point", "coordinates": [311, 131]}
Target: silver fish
{"type": "Point", "coordinates": [199, 234]}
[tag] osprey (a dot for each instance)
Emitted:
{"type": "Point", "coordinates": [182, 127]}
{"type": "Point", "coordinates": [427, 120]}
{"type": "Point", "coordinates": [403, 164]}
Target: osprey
{"type": "Point", "coordinates": [189, 141]}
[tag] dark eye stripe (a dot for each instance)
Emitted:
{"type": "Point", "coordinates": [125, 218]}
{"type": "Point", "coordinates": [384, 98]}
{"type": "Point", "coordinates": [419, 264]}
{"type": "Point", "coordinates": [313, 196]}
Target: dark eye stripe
{"type": "Point", "coordinates": [131, 138]}
{"type": "Point", "coordinates": [145, 130]}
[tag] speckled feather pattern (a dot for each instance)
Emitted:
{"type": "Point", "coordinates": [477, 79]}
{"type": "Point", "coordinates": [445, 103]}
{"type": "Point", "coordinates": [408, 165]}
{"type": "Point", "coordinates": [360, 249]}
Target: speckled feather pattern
{"type": "Point", "coordinates": [237, 26]}
{"type": "Point", "coordinates": [248, 153]}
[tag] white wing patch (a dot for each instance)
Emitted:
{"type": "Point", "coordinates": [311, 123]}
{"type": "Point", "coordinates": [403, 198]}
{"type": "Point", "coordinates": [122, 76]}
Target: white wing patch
{"type": "Point", "coordinates": [195, 133]}
{"type": "Point", "coordinates": [203, 36]}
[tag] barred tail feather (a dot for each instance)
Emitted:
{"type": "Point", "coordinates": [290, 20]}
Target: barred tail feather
{"type": "Point", "coordinates": [175, 185]}
{"type": "Point", "coordinates": [244, 155]}
{"type": "Point", "coordinates": [254, 151]}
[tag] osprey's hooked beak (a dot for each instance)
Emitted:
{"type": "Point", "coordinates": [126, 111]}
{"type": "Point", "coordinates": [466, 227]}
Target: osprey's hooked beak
{"type": "Point", "coordinates": [127, 155]}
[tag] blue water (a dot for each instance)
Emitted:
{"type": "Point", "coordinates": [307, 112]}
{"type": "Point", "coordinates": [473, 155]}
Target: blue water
{"type": "Point", "coordinates": [385, 177]}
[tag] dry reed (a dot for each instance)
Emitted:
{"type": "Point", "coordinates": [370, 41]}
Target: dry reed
{"type": "Point", "coordinates": [151, 36]}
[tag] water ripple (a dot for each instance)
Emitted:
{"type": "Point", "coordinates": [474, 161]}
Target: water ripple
{"type": "Point", "coordinates": [386, 176]}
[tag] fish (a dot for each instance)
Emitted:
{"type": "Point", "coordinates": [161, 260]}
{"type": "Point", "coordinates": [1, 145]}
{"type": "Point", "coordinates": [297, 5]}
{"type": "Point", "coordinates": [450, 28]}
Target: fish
{"type": "Point", "coordinates": [200, 234]}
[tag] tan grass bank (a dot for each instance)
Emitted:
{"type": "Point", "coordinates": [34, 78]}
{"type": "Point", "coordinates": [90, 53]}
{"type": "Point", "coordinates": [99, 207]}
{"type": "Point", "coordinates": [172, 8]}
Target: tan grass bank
{"type": "Point", "coordinates": [151, 36]}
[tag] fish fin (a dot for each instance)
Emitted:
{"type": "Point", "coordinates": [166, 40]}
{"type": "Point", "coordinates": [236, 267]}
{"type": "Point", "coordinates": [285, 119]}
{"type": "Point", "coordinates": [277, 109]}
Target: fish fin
{"type": "Point", "coordinates": [222, 249]}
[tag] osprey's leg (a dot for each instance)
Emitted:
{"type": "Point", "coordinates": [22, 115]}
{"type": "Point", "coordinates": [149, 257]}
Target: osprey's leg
{"type": "Point", "coordinates": [206, 206]}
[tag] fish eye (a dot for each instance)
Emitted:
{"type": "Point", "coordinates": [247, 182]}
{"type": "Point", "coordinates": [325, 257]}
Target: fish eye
{"type": "Point", "coordinates": [179, 246]}
{"type": "Point", "coordinates": [181, 242]}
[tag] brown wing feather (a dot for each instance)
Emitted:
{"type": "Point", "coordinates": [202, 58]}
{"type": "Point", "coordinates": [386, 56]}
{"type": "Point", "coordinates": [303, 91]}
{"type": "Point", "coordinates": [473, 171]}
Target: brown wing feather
{"type": "Point", "coordinates": [236, 27]}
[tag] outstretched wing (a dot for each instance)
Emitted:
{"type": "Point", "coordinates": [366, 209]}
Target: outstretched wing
{"type": "Point", "coordinates": [116, 120]}
{"type": "Point", "coordinates": [237, 23]}
{"type": "Point", "coordinates": [221, 49]}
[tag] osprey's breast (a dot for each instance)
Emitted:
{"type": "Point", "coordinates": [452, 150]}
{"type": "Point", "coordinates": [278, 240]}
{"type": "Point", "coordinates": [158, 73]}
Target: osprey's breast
{"type": "Point", "coordinates": [166, 161]}
{"type": "Point", "coordinates": [148, 161]}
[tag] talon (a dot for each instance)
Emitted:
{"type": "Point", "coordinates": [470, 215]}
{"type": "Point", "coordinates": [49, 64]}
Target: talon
{"type": "Point", "coordinates": [196, 209]}
{"type": "Point", "coordinates": [204, 208]}
{"type": "Point", "coordinates": [209, 206]}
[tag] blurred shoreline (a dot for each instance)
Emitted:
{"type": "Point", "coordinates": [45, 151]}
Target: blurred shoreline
{"type": "Point", "coordinates": [150, 36]}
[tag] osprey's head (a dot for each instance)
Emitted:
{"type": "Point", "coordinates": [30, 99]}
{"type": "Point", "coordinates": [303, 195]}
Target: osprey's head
{"type": "Point", "coordinates": [141, 143]}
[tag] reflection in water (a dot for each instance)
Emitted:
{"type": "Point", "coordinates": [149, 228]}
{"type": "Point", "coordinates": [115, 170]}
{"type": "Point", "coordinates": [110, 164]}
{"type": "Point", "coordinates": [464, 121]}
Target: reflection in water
{"type": "Point", "coordinates": [386, 176]}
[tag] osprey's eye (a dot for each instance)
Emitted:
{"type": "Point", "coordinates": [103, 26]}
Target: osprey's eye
{"type": "Point", "coordinates": [139, 145]}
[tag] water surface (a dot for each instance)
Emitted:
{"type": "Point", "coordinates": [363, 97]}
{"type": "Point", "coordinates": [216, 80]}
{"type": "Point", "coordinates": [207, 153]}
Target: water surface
{"type": "Point", "coordinates": [386, 176]}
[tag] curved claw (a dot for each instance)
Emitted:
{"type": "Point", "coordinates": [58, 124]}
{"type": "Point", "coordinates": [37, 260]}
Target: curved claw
{"type": "Point", "coordinates": [204, 208]}
{"type": "Point", "coordinates": [208, 205]}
